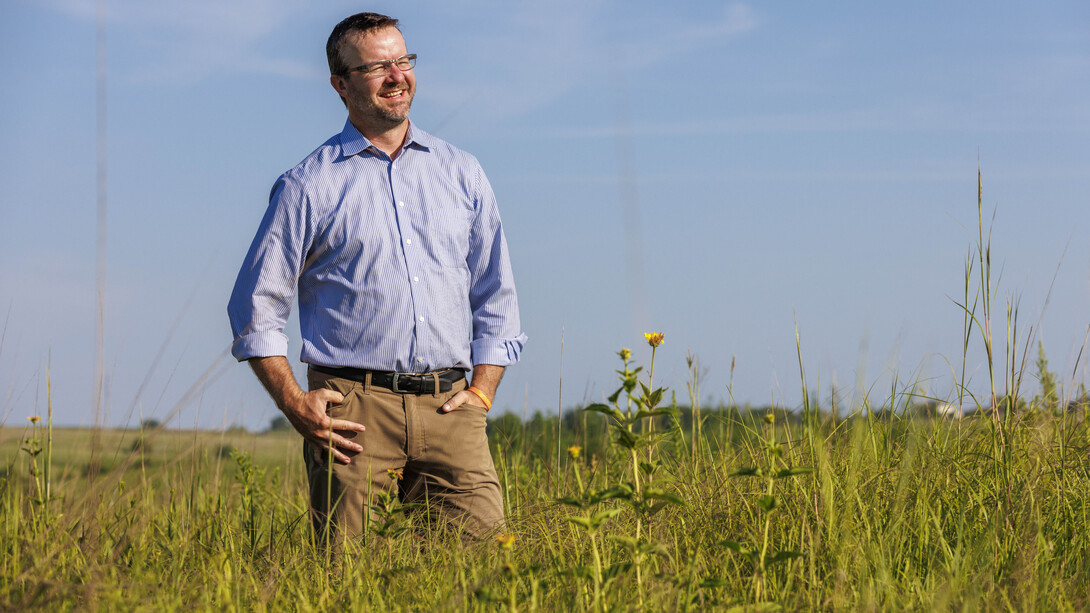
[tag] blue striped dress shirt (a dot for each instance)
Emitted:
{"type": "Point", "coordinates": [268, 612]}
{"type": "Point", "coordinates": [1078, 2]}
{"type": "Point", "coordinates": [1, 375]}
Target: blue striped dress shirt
{"type": "Point", "coordinates": [400, 265]}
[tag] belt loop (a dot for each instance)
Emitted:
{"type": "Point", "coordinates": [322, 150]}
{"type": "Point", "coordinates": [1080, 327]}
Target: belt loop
{"type": "Point", "coordinates": [367, 383]}
{"type": "Point", "coordinates": [435, 380]}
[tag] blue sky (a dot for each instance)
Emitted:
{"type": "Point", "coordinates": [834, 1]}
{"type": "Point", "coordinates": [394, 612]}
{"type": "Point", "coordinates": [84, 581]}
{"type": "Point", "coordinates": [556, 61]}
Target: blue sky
{"type": "Point", "coordinates": [718, 171]}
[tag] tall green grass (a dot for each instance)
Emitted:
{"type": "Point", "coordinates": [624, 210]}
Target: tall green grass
{"type": "Point", "coordinates": [898, 513]}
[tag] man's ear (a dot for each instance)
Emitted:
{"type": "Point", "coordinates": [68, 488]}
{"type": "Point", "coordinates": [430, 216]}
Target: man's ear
{"type": "Point", "coordinates": [337, 81]}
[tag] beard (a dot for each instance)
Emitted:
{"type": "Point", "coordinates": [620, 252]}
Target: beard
{"type": "Point", "coordinates": [386, 115]}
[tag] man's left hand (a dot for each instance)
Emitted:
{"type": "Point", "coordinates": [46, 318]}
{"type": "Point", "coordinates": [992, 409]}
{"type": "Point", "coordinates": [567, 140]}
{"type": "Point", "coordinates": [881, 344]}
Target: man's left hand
{"type": "Point", "coordinates": [461, 398]}
{"type": "Point", "coordinates": [486, 377]}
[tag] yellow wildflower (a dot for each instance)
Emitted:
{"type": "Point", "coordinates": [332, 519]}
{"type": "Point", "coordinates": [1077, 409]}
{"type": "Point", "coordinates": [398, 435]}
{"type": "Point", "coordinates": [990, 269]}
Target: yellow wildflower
{"type": "Point", "coordinates": [507, 541]}
{"type": "Point", "coordinates": [573, 451]}
{"type": "Point", "coordinates": [625, 353]}
{"type": "Point", "coordinates": [34, 418]}
{"type": "Point", "coordinates": [654, 338]}
{"type": "Point", "coordinates": [394, 474]}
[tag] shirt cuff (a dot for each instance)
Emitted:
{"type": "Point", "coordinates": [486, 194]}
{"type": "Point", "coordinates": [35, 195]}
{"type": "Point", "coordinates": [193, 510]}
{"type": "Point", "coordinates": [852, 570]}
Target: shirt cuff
{"type": "Point", "coordinates": [497, 351]}
{"type": "Point", "coordinates": [260, 345]}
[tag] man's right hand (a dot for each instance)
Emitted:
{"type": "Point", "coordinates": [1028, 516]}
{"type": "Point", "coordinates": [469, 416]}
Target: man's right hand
{"type": "Point", "coordinates": [307, 410]}
{"type": "Point", "coordinates": [307, 413]}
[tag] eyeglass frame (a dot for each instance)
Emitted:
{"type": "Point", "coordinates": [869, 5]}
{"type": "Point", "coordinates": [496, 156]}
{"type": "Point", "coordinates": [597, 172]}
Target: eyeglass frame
{"type": "Point", "coordinates": [387, 64]}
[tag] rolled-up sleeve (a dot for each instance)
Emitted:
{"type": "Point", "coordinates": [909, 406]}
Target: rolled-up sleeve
{"type": "Point", "coordinates": [265, 288]}
{"type": "Point", "coordinates": [497, 336]}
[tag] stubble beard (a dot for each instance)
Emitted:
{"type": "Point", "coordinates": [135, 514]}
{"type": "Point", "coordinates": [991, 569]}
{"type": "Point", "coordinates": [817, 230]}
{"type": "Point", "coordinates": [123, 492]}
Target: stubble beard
{"type": "Point", "coordinates": [383, 116]}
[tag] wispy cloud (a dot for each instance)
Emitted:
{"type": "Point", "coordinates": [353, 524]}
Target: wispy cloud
{"type": "Point", "coordinates": [185, 42]}
{"type": "Point", "coordinates": [905, 117]}
{"type": "Point", "coordinates": [522, 55]}
{"type": "Point", "coordinates": [540, 52]}
{"type": "Point", "coordinates": [655, 38]}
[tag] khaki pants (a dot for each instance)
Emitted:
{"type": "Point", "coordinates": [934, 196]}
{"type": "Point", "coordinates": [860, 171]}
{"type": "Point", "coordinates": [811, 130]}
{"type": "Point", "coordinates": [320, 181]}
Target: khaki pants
{"type": "Point", "coordinates": [443, 457]}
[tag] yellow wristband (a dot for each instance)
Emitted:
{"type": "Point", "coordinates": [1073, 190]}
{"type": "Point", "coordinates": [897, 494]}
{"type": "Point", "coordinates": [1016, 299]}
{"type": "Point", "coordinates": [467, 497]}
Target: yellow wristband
{"type": "Point", "coordinates": [480, 394]}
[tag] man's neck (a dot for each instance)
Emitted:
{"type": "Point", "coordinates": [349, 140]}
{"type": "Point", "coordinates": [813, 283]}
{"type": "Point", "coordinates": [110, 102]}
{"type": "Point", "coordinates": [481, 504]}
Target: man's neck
{"type": "Point", "coordinates": [389, 139]}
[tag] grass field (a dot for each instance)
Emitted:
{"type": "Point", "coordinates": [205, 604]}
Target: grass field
{"type": "Point", "coordinates": [761, 511]}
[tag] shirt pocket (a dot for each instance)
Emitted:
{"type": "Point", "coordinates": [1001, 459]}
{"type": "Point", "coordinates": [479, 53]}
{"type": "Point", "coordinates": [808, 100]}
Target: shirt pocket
{"type": "Point", "coordinates": [446, 228]}
{"type": "Point", "coordinates": [448, 234]}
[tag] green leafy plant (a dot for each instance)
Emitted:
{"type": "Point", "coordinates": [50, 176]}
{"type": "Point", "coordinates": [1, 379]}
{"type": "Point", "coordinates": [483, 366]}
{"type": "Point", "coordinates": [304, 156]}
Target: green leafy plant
{"type": "Point", "coordinates": [776, 468]}
{"type": "Point", "coordinates": [642, 494]}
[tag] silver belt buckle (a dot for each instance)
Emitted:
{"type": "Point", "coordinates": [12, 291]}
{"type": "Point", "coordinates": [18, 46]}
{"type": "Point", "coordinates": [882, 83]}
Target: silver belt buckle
{"type": "Point", "coordinates": [393, 385]}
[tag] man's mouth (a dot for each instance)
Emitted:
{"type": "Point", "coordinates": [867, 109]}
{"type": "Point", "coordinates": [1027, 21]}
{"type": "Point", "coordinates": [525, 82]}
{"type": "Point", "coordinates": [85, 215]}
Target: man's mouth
{"type": "Point", "coordinates": [394, 94]}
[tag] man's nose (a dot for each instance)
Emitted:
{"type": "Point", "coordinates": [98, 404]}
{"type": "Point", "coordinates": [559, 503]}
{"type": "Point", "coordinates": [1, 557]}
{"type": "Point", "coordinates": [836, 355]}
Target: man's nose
{"type": "Point", "coordinates": [396, 74]}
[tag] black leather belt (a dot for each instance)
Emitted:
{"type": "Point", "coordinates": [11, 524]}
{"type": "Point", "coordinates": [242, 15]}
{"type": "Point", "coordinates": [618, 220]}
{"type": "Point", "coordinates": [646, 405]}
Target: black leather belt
{"type": "Point", "coordinates": [399, 382]}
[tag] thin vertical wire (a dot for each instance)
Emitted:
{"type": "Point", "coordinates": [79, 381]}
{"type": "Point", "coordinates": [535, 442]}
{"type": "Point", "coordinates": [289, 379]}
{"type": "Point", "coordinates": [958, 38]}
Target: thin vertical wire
{"type": "Point", "coordinates": [630, 205]}
{"type": "Point", "coordinates": [100, 246]}
{"type": "Point", "coordinates": [559, 410]}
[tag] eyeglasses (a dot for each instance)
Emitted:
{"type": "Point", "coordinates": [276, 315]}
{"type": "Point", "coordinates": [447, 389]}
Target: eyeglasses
{"type": "Point", "coordinates": [381, 68]}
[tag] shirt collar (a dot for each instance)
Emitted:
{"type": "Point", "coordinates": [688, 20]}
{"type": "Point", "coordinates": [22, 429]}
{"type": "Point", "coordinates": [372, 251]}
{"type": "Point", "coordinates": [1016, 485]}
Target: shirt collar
{"type": "Point", "coordinates": [352, 142]}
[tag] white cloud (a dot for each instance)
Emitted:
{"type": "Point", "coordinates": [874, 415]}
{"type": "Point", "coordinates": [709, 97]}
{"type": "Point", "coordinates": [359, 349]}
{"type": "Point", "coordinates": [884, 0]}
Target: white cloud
{"type": "Point", "coordinates": [905, 117]}
{"type": "Point", "coordinates": [540, 52]}
{"type": "Point", "coordinates": [522, 55]}
{"type": "Point", "coordinates": [187, 41]}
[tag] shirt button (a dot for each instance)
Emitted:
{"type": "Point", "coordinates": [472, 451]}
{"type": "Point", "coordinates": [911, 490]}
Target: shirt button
{"type": "Point", "coordinates": [419, 359]}
{"type": "Point", "coordinates": [421, 318]}
{"type": "Point", "coordinates": [408, 241]}
{"type": "Point", "coordinates": [400, 204]}
{"type": "Point", "coordinates": [416, 279]}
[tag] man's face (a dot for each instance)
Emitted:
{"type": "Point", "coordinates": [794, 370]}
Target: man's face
{"type": "Point", "coordinates": [377, 103]}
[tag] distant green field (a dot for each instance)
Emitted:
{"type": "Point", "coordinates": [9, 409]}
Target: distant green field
{"type": "Point", "coordinates": [72, 446]}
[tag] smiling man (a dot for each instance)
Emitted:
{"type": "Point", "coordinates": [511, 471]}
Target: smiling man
{"type": "Point", "coordinates": [391, 239]}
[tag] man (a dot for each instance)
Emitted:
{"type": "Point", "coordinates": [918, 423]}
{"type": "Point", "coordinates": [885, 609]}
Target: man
{"type": "Point", "coordinates": [393, 241]}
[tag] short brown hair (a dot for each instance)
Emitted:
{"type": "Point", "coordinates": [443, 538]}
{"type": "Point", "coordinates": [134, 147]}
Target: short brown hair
{"type": "Point", "coordinates": [360, 22]}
